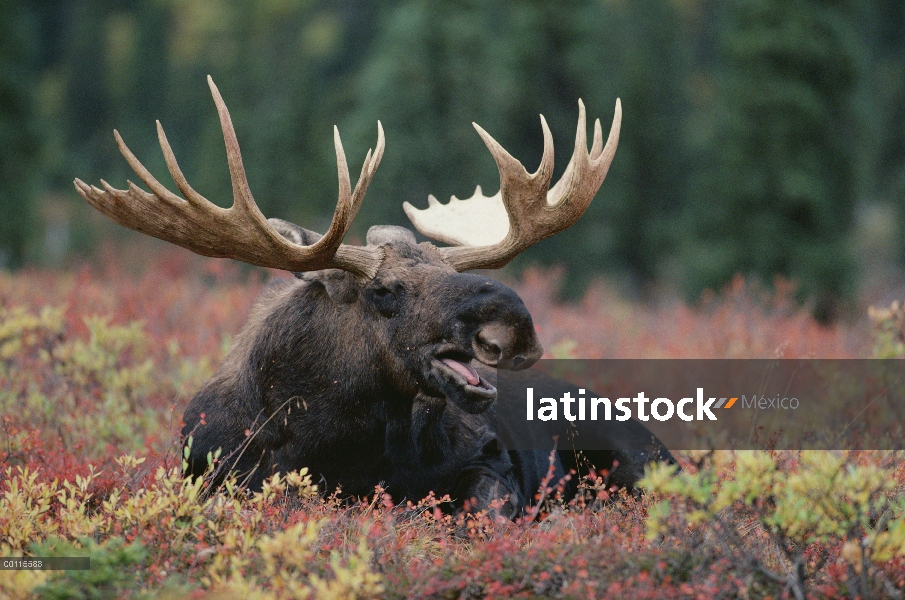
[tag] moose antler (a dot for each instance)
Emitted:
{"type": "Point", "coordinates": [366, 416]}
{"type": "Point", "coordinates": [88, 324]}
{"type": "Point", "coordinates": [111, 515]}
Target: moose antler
{"type": "Point", "coordinates": [241, 231]}
{"type": "Point", "coordinates": [488, 232]}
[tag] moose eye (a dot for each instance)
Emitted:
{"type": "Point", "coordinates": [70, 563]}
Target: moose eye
{"type": "Point", "coordinates": [386, 299]}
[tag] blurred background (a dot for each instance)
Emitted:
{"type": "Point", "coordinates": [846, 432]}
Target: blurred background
{"type": "Point", "coordinates": [760, 137]}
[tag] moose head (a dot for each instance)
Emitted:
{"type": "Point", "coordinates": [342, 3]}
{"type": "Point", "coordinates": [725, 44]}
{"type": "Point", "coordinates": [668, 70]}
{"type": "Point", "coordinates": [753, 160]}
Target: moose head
{"type": "Point", "coordinates": [368, 339]}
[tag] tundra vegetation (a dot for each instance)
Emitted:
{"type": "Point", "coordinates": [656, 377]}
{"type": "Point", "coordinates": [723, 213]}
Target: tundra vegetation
{"type": "Point", "coordinates": [97, 364]}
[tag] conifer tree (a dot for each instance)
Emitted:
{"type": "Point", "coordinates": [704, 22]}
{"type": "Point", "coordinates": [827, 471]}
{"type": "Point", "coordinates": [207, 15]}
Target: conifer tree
{"type": "Point", "coordinates": [777, 193]}
{"type": "Point", "coordinates": [18, 136]}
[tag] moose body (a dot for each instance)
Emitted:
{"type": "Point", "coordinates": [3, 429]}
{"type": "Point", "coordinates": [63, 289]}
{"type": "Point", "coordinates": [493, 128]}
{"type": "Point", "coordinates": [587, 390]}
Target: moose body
{"type": "Point", "coordinates": [374, 365]}
{"type": "Point", "coordinates": [348, 380]}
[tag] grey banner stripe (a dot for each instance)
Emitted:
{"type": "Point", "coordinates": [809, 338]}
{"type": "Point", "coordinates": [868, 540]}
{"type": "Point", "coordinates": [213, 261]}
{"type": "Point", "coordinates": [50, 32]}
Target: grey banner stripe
{"type": "Point", "coordinates": [721, 403]}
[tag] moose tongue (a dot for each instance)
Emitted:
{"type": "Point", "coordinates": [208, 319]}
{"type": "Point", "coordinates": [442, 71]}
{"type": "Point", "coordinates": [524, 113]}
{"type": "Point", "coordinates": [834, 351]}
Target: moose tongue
{"type": "Point", "coordinates": [466, 371]}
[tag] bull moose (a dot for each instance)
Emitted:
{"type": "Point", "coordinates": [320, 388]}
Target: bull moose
{"type": "Point", "coordinates": [375, 365]}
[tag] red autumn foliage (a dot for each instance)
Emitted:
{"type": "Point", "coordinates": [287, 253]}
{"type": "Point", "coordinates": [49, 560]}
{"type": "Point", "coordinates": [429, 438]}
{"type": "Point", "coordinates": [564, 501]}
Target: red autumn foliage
{"type": "Point", "coordinates": [72, 427]}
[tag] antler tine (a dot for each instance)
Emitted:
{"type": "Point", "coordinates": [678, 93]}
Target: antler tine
{"type": "Point", "coordinates": [242, 198]}
{"type": "Point", "coordinates": [240, 232]}
{"type": "Point", "coordinates": [342, 215]}
{"type": "Point", "coordinates": [158, 188]}
{"type": "Point", "coordinates": [598, 139]}
{"type": "Point", "coordinates": [612, 141]}
{"type": "Point", "coordinates": [544, 172]}
{"type": "Point", "coordinates": [505, 162]}
{"type": "Point", "coordinates": [368, 168]}
{"type": "Point", "coordinates": [176, 173]}
{"type": "Point", "coordinates": [577, 162]}
{"type": "Point", "coordinates": [534, 210]}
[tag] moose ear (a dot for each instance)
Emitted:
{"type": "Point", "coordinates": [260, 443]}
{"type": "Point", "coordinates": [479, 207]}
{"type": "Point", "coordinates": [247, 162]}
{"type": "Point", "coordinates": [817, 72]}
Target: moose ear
{"type": "Point", "coordinates": [294, 233]}
{"type": "Point", "coordinates": [379, 235]}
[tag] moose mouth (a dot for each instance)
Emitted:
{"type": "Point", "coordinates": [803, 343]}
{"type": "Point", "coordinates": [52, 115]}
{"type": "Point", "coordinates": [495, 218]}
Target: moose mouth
{"type": "Point", "coordinates": [459, 382]}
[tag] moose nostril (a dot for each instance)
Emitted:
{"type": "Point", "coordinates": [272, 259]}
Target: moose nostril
{"type": "Point", "coordinates": [492, 349]}
{"type": "Point", "coordinates": [489, 347]}
{"type": "Point", "coordinates": [518, 360]}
